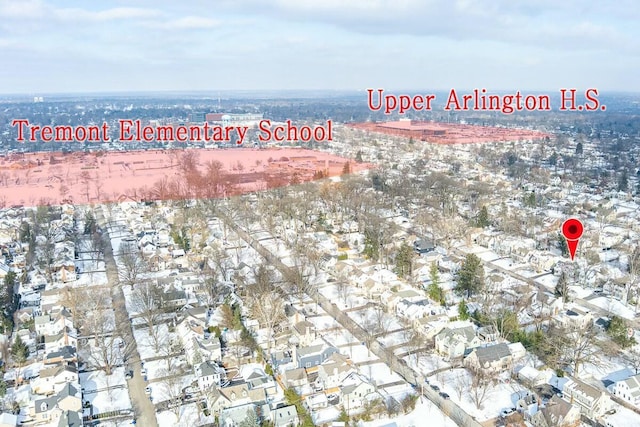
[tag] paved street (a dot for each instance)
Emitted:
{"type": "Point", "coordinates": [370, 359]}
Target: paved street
{"type": "Point", "coordinates": [142, 406]}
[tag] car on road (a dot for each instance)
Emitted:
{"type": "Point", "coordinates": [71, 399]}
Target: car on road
{"type": "Point", "coordinates": [444, 395]}
{"type": "Point", "coordinates": [435, 387]}
{"type": "Point", "coordinates": [147, 390]}
{"type": "Point", "coordinates": [143, 371]}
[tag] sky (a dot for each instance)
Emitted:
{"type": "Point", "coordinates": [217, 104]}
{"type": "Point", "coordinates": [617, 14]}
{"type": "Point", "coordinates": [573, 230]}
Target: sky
{"type": "Point", "coordinates": [49, 46]}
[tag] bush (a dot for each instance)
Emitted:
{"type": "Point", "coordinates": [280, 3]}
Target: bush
{"type": "Point", "coordinates": [342, 257]}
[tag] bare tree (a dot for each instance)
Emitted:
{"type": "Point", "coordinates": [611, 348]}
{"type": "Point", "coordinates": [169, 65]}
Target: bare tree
{"type": "Point", "coordinates": [344, 289]}
{"type": "Point", "coordinates": [462, 384]}
{"type": "Point", "coordinates": [581, 348]}
{"type": "Point", "coordinates": [171, 384]}
{"type": "Point", "coordinates": [131, 265]}
{"type": "Point", "coordinates": [147, 300]}
{"type": "Point", "coordinates": [382, 321]}
{"type": "Point", "coordinates": [268, 309]}
{"type": "Point", "coordinates": [481, 381]}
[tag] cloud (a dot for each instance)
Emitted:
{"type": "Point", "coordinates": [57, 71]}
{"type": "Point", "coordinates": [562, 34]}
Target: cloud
{"type": "Point", "coordinates": [118, 13]}
{"type": "Point", "coordinates": [186, 23]}
{"type": "Point", "coordinates": [570, 24]}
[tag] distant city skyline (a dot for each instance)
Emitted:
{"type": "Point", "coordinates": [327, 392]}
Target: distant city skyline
{"type": "Point", "coordinates": [159, 45]}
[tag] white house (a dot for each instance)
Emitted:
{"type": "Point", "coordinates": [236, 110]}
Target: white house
{"type": "Point", "coordinates": [628, 390]}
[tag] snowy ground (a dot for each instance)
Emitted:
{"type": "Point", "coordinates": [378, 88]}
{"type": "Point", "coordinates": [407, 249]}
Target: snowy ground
{"type": "Point", "coordinates": [108, 400]}
{"type": "Point", "coordinates": [393, 339]}
{"type": "Point", "coordinates": [623, 418]}
{"type": "Point", "coordinates": [425, 363]}
{"type": "Point", "coordinates": [425, 413]}
{"type": "Point", "coordinates": [358, 353]}
{"type": "Point", "coordinates": [145, 342]}
{"type": "Point", "coordinates": [614, 306]}
{"type": "Point", "coordinates": [379, 374]}
{"type": "Point", "coordinates": [498, 396]}
{"type": "Point", "coordinates": [98, 380]}
{"type": "Point", "coordinates": [190, 415]}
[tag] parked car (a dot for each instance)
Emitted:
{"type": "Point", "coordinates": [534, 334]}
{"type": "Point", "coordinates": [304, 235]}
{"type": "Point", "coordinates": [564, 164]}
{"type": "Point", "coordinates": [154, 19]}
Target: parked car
{"type": "Point", "coordinates": [147, 390]}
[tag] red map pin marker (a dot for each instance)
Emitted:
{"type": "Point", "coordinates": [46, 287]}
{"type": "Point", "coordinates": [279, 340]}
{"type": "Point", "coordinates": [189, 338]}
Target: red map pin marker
{"type": "Point", "coordinates": [572, 231]}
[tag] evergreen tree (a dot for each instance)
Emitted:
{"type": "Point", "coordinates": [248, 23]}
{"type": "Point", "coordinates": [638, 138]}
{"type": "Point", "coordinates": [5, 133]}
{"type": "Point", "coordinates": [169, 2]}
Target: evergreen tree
{"type": "Point", "coordinates": [434, 291]}
{"type": "Point", "coordinates": [562, 288]}
{"type": "Point", "coordinates": [623, 181]}
{"type": "Point", "coordinates": [619, 332]}
{"type": "Point", "coordinates": [470, 277]}
{"type": "Point", "coordinates": [562, 244]}
{"type": "Point", "coordinates": [19, 351]}
{"type": "Point", "coordinates": [483, 217]}
{"type": "Point", "coordinates": [463, 310]}
{"type": "Point", "coordinates": [404, 260]}
{"type": "Point", "coordinates": [579, 148]}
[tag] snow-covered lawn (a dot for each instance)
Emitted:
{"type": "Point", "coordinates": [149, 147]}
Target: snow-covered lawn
{"type": "Point", "coordinates": [614, 306]}
{"type": "Point", "coordinates": [426, 363]}
{"type": "Point", "coordinates": [623, 418]}
{"type": "Point", "coordinates": [425, 413]}
{"type": "Point", "coordinates": [113, 399]}
{"type": "Point", "coordinates": [379, 374]}
{"type": "Point", "coordinates": [497, 397]}
{"type": "Point", "coordinates": [159, 368]}
{"type": "Point", "coordinates": [98, 380]}
{"type": "Point", "coordinates": [393, 339]}
{"type": "Point", "coordinates": [190, 415]}
{"type": "Point", "coordinates": [145, 342]}
{"type": "Point", "coordinates": [358, 353]}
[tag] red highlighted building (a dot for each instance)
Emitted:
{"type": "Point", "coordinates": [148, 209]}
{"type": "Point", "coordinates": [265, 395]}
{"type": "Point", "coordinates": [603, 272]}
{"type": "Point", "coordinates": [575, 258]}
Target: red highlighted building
{"type": "Point", "coordinates": [445, 133]}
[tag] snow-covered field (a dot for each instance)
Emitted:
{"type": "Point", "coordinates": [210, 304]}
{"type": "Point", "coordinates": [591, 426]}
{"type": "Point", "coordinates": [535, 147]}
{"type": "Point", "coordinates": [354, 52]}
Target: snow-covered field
{"type": "Point", "coordinates": [98, 380]}
{"type": "Point", "coordinates": [498, 396]}
{"type": "Point", "coordinates": [108, 400]}
{"type": "Point", "coordinates": [425, 413]}
{"type": "Point", "coordinates": [379, 374]}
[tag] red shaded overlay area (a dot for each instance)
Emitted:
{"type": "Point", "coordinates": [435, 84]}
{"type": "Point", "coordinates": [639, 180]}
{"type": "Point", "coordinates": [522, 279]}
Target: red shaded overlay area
{"type": "Point", "coordinates": [54, 178]}
{"type": "Point", "coordinates": [445, 133]}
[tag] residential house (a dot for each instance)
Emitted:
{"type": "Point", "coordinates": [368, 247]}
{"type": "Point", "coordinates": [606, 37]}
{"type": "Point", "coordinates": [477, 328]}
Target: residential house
{"type": "Point", "coordinates": [488, 334]}
{"type": "Point", "coordinates": [236, 416]}
{"type": "Point", "coordinates": [492, 359]}
{"type": "Point", "coordinates": [312, 355]}
{"type": "Point", "coordinates": [531, 377]}
{"type": "Point", "coordinates": [66, 338]}
{"type": "Point", "coordinates": [64, 355]}
{"type": "Point", "coordinates": [593, 402]}
{"type": "Point", "coordinates": [430, 326]}
{"type": "Point", "coordinates": [355, 392]}
{"type": "Point", "coordinates": [286, 416]}
{"type": "Point", "coordinates": [556, 413]}
{"type": "Point", "coordinates": [423, 246]}
{"type": "Point", "coordinates": [333, 371]}
{"type": "Point", "coordinates": [305, 332]}
{"type": "Point", "coordinates": [575, 318]}
{"type": "Point", "coordinates": [220, 398]}
{"type": "Point", "coordinates": [628, 390]}
{"type": "Point", "coordinates": [209, 374]}
{"type": "Point", "coordinates": [452, 342]}
{"type": "Point", "coordinates": [294, 378]}
{"type": "Point", "coordinates": [52, 379]}
{"type": "Point", "coordinates": [51, 409]}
